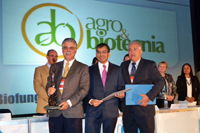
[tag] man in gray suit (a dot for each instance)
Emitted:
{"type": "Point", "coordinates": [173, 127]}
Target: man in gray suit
{"type": "Point", "coordinates": [72, 85]}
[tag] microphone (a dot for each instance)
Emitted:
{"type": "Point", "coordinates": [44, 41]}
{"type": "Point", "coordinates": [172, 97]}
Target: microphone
{"type": "Point", "coordinates": [54, 61]}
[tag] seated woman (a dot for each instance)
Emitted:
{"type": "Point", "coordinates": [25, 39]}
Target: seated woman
{"type": "Point", "coordinates": [187, 85]}
{"type": "Point", "coordinates": [169, 89]}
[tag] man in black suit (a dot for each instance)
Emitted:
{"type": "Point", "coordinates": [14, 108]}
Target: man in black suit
{"type": "Point", "coordinates": [145, 72]}
{"type": "Point", "coordinates": [106, 112]}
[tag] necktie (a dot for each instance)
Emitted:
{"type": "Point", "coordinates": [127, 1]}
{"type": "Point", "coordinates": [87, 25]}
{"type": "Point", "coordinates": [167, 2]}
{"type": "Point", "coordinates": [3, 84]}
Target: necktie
{"type": "Point", "coordinates": [133, 70]}
{"type": "Point", "coordinates": [104, 75]}
{"type": "Point", "coordinates": [66, 70]}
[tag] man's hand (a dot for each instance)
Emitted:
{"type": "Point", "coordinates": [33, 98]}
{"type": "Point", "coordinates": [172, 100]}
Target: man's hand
{"type": "Point", "coordinates": [64, 105]}
{"type": "Point", "coordinates": [95, 102]}
{"type": "Point", "coordinates": [190, 99]}
{"type": "Point", "coordinates": [121, 95]}
{"type": "Point", "coordinates": [144, 100]}
{"type": "Point", "coordinates": [170, 98]}
{"type": "Point", "coordinates": [51, 91]}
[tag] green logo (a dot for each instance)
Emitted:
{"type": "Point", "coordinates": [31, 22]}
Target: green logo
{"type": "Point", "coordinates": [53, 27]}
{"type": "Point", "coordinates": [41, 38]}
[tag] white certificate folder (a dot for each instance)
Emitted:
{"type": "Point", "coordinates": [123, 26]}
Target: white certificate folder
{"type": "Point", "coordinates": [133, 97]}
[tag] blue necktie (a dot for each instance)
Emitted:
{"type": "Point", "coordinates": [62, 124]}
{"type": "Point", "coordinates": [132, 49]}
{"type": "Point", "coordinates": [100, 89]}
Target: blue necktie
{"type": "Point", "coordinates": [133, 70]}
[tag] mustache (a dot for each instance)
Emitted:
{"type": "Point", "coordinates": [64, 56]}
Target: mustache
{"type": "Point", "coordinates": [68, 53]}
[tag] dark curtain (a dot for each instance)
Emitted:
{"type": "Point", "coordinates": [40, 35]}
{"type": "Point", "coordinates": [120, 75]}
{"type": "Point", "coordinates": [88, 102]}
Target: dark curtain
{"type": "Point", "coordinates": [195, 17]}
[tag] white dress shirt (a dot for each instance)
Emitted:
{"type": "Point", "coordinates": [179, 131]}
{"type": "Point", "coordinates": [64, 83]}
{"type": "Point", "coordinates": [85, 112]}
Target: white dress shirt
{"type": "Point", "coordinates": [100, 71]}
{"type": "Point", "coordinates": [189, 87]}
{"type": "Point", "coordinates": [70, 64]}
{"type": "Point", "coordinates": [48, 65]}
{"type": "Point", "coordinates": [101, 67]}
{"type": "Point", "coordinates": [130, 66]}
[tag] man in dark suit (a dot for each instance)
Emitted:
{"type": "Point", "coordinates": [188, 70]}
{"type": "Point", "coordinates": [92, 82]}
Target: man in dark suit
{"type": "Point", "coordinates": [145, 72]}
{"type": "Point", "coordinates": [106, 112]}
{"type": "Point", "coordinates": [72, 85]}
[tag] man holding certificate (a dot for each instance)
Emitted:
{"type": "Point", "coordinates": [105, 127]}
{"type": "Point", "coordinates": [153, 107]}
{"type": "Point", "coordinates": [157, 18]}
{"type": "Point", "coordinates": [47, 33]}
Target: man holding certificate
{"type": "Point", "coordinates": [140, 71]}
{"type": "Point", "coordinates": [105, 79]}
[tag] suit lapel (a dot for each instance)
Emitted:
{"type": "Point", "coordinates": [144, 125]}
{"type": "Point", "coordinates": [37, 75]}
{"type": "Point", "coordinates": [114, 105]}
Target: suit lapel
{"type": "Point", "coordinates": [46, 69]}
{"type": "Point", "coordinates": [72, 68]}
{"type": "Point", "coordinates": [59, 73]}
{"type": "Point", "coordinates": [110, 68]}
{"type": "Point", "coordinates": [139, 69]}
{"type": "Point", "coordinates": [97, 73]}
{"type": "Point", "coordinates": [126, 65]}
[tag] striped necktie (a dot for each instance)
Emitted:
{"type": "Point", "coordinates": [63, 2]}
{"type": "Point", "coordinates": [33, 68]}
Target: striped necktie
{"type": "Point", "coordinates": [66, 70]}
{"type": "Point", "coordinates": [133, 70]}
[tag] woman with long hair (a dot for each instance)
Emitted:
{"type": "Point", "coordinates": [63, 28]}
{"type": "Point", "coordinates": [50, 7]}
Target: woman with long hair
{"type": "Point", "coordinates": [188, 86]}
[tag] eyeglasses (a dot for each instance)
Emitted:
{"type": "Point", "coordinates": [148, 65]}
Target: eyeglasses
{"type": "Point", "coordinates": [70, 48]}
{"type": "Point", "coordinates": [102, 52]}
{"type": "Point", "coordinates": [53, 56]}
{"type": "Point", "coordinates": [132, 49]}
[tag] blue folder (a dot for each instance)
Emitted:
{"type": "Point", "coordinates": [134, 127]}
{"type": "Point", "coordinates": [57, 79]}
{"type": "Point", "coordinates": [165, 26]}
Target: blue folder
{"type": "Point", "coordinates": [133, 97]}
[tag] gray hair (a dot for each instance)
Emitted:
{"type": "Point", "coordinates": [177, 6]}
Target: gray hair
{"type": "Point", "coordinates": [69, 40]}
{"type": "Point", "coordinates": [137, 42]}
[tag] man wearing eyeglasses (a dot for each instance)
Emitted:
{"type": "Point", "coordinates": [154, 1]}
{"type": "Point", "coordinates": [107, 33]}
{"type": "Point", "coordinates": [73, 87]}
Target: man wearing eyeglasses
{"type": "Point", "coordinates": [40, 81]}
{"type": "Point", "coordinates": [105, 78]}
{"type": "Point", "coordinates": [72, 85]}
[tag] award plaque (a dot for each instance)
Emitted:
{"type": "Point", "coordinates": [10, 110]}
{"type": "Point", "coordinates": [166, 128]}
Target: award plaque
{"type": "Point", "coordinates": [52, 107]}
{"type": "Point", "coordinates": [52, 99]}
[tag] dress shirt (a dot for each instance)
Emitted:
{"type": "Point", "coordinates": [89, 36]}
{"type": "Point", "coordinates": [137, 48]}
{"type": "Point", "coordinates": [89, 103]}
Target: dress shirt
{"type": "Point", "coordinates": [189, 87]}
{"type": "Point", "coordinates": [70, 64]}
{"type": "Point", "coordinates": [130, 65]}
{"type": "Point", "coordinates": [101, 70]}
{"type": "Point", "coordinates": [101, 67]}
{"type": "Point", "coordinates": [48, 65]}
{"type": "Point", "coordinates": [64, 64]}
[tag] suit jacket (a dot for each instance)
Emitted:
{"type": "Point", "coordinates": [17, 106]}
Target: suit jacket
{"type": "Point", "coordinates": [182, 87]}
{"type": "Point", "coordinates": [40, 81]}
{"type": "Point", "coordinates": [114, 83]}
{"type": "Point", "coordinates": [146, 73]}
{"type": "Point", "coordinates": [171, 84]}
{"type": "Point", "coordinates": [171, 87]}
{"type": "Point", "coordinates": [76, 87]}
